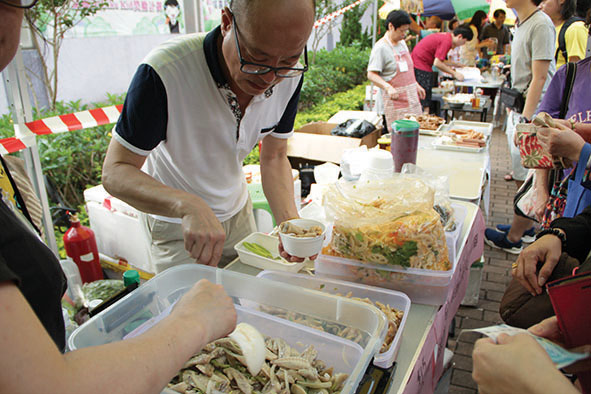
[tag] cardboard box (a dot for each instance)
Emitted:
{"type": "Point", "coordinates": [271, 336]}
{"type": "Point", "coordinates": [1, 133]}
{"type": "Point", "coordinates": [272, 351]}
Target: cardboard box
{"type": "Point", "coordinates": [314, 143]}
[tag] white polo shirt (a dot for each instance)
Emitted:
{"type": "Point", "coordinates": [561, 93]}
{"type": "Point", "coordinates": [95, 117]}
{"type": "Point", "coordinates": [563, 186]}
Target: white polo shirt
{"type": "Point", "coordinates": [181, 114]}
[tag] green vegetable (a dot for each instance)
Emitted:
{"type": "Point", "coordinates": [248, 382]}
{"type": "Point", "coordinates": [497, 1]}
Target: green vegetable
{"type": "Point", "coordinates": [322, 286]}
{"type": "Point", "coordinates": [400, 256]}
{"type": "Point", "coordinates": [359, 237]}
{"type": "Point", "coordinates": [102, 289]}
{"type": "Point", "coordinates": [259, 250]}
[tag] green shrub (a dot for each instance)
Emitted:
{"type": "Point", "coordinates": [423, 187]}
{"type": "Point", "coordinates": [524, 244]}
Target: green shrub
{"type": "Point", "coordinates": [333, 72]}
{"type": "Point", "coordinates": [351, 100]}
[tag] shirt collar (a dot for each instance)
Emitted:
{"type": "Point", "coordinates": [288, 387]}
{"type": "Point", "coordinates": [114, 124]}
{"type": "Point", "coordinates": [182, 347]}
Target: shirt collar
{"type": "Point", "coordinates": [210, 47]}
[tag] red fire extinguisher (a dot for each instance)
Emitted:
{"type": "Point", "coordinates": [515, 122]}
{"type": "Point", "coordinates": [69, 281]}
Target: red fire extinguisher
{"type": "Point", "coordinates": [80, 245]}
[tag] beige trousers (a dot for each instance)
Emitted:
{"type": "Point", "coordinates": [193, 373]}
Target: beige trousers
{"type": "Point", "coordinates": [168, 245]}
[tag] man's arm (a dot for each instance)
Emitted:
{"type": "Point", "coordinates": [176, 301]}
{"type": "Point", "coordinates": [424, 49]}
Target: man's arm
{"type": "Point", "coordinates": [445, 68]}
{"type": "Point", "coordinates": [277, 178]}
{"type": "Point", "coordinates": [202, 231]}
{"type": "Point", "coordinates": [539, 75]}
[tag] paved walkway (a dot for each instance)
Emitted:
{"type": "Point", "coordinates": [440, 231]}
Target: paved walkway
{"type": "Point", "coordinates": [496, 274]}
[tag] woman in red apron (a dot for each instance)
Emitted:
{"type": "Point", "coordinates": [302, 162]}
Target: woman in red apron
{"type": "Point", "coordinates": [391, 69]}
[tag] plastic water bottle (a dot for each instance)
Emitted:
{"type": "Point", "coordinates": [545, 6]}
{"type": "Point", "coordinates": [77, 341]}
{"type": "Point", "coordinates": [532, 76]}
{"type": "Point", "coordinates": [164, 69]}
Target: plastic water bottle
{"type": "Point", "coordinates": [72, 272]}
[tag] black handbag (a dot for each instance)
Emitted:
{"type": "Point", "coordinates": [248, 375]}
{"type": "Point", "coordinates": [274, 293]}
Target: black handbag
{"type": "Point", "coordinates": [513, 99]}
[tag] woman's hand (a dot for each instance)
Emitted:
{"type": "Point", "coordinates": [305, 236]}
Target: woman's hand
{"type": "Point", "coordinates": [207, 305]}
{"type": "Point", "coordinates": [392, 92]}
{"type": "Point", "coordinates": [517, 364]}
{"type": "Point", "coordinates": [547, 250]}
{"type": "Point", "coordinates": [421, 91]}
{"type": "Point", "coordinates": [561, 142]}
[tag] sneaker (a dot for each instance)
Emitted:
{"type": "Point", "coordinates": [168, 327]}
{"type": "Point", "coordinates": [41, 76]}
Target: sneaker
{"type": "Point", "coordinates": [498, 239]}
{"type": "Point", "coordinates": [528, 237]}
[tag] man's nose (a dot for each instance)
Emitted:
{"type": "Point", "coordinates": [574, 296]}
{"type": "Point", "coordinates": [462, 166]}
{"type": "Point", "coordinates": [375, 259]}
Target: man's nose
{"type": "Point", "coordinates": [269, 77]}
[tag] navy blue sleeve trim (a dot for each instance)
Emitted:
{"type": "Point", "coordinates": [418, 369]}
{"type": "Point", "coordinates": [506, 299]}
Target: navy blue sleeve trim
{"type": "Point", "coordinates": [288, 118]}
{"type": "Point", "coordinates": [144, 117]}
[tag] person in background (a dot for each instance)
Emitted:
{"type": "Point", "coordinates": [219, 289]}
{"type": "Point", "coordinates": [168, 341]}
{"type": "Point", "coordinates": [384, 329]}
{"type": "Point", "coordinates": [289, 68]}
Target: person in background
{"type": "Point", "coordinates": [532, 68]}
{"type": "Point", "coordinates": [497, 29]}
{"type": "Point", "coordinates": [31, 321]}
{"type": "Point", "coordinates": [453, 24]}
{"type": "Point", "coordinates": [432, 51]}
{"type": "Point", "coordinates": [391, 69]}
{"type": "Point", "coordinates": [469, 52]}
{"type": "Point", "coordinates": [518, 364]}
{"type": "Point", "coordinates": [571, 27]}
{"type": "Point", "coordinates": [196, 107]}
{"type": "Point", "coordinates": [432, 25]}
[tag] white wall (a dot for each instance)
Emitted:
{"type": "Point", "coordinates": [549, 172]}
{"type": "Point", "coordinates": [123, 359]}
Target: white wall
{"type": "Point", "coordinates": [89, 68]}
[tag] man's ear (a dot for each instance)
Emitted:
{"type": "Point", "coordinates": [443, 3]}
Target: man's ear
{"type": "Point", "coordinates": [226, 21]}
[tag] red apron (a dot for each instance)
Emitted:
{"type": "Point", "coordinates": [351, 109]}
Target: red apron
{"type": "Point", "coordinates": [405, 84]}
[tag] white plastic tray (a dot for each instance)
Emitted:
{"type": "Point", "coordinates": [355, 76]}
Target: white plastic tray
{"type": "Point", "coordinates": [438, 144]}
{"type": "Point", "coordinates": [271, 244]}
{"type": "Point", "coordinates": [393, 298]}
{"type": "Point", "coordinates": [483, 127]}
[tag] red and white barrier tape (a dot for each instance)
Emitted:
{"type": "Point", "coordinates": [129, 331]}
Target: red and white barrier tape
{"type": "Point", "coordinates": [324, 20]}
{"type": "Point", "coordinates": [60, 124]}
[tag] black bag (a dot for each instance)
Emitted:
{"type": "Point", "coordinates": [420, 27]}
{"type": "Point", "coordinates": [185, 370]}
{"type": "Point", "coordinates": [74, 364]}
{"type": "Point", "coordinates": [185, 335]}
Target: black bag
{"type": "Point", "coordinates": [513, 99]}
{"type": "Point", "coordinates": [355, 128]}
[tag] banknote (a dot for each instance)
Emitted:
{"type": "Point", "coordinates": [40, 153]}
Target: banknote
{"type": "Point", "coordinates": [559, 355]}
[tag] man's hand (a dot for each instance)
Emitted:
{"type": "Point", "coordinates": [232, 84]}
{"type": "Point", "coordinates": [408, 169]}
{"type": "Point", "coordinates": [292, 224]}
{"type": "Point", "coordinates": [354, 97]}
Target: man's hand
{"type": "Point", "coordinates": [517, 364]}
{"type": "Point", "coordinates": [392, 92]}
{"type": "Point", "coordinates": [562, 143]}
{"type": "Point", "coordinates": [421, 91]}
{"type": "Point", "coordinates": [547, 250]}
{"type": "Point", "coordinates": [458, 75]}
{"type": "Point", "coordinates": [204, 235]}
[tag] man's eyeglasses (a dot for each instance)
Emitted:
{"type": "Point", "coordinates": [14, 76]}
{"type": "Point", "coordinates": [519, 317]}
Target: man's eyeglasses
{"type": "Point", "coordinates": [259, 69]}
{"type": "Point", "coordinates": [19, 3]}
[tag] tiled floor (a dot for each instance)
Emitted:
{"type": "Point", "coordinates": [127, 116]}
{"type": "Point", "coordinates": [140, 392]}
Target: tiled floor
{"type": "Point", "coordinates": [496, 273]}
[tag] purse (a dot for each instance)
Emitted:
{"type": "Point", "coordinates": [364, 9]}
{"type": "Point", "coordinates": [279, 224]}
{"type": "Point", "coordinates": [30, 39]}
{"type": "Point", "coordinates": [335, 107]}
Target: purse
{"type": "Point", "coordinates": [578, 197]}
{"type": "Point", "coordinates": [524, 200]}
{"type": "Point", "coordinates": [513, 99]}
{"type": "Point", "coordinates": [533, 155]}
{"type": "Point", "coordinates": [520, 309]}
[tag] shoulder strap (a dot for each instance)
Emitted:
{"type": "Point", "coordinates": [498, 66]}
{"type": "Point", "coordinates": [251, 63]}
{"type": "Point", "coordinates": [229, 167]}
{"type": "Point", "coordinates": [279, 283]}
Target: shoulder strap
{"type": "Point", "coordinates": [571, 73]}
{"type": "Point", "coordinates": [582, 163]}
{"type": "Point", "coordinates": [561, 40]}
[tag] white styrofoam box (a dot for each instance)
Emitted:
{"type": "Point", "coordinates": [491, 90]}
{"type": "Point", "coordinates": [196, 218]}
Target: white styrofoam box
{"type": "Point", "coordinates": [271, 244]}
{"type": "Point", "coordinates": [117, 227]}
{"type": "Point", "coordinates": [394, 299]}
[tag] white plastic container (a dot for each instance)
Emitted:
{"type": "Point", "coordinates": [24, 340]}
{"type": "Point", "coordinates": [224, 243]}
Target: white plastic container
{"type": "Point", "coordinates": [393, 298]}
{"type": "Point", "coordinates": [154, 296]}
{"type": "Point", "coordinates": [271, 244]}
{"type": "Point", "coordinates": [422, 286]}
{"type": "Point", "coordinates": [303, 246]}
{"type": "Point", "coordinates": [452, 237]}
{"type": "Point", "coordinates": [74, 290]}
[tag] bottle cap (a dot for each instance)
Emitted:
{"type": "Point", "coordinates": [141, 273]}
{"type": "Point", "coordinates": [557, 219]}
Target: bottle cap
{"type": "Point", "coordinates": [130, 277]}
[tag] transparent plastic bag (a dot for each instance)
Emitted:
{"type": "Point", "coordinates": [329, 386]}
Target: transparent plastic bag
{"type": "Point", "coordinates": [440, 184]}
{"type": "Point", "coordinates": [387, 222]}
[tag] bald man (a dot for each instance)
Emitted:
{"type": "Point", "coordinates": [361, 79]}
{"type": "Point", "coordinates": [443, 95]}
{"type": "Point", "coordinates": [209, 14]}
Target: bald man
{"type": "Point", "coordinates": [196, 107]}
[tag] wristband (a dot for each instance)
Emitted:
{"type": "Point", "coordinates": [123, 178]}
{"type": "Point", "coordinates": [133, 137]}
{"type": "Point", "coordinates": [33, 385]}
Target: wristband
{"type": "Point", "coordinates": [553, 231]}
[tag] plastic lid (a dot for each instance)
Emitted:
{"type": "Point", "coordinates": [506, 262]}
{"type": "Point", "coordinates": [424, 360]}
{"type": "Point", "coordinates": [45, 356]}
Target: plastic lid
{"type": "Point", "coordinates": [405, 125]}
{"type": "Point", "coordinates": [130, 277]}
